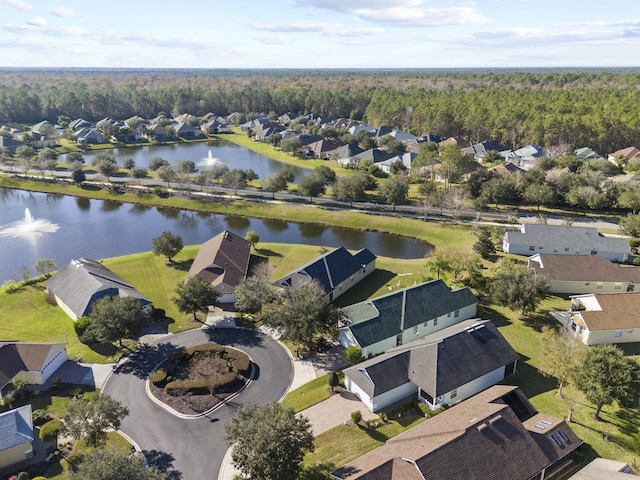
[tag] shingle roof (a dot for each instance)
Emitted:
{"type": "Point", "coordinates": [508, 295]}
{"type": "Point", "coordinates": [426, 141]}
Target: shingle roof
{"type": "Point", "coordinates": [381, 374]}
{"type": "Point", "coordinates": [587, 268]}
{"type": "Point", "coordinates": [375, 320]}
{"type": "Point", "coordinates": [16, 427]}
{"type": "Point", "coordinates": [332, 268]}
{"type": "Point", "coordinates": [481, 437]}
{"type": "Point", "coordinates": [616, 312]}
{"type": "Point", "coordinates": [374, 154]}
{"type": "Point", "coordinates": [222, 260]}
{"type": "Point", "coordinates": [565, 236]}
{"type": "Point", "coordinates": [82, 282]}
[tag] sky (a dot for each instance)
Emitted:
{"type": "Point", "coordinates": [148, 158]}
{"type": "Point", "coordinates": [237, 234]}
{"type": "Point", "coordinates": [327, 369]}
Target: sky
{"type": "Point", "coordinates": [320, 33]}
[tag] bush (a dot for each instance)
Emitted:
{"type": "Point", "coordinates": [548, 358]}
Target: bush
{"type": "Point", "coordinates": [49, 431]}
{"type": "Point", "coordinates": [158, 376]}
{"type": "Point", "coordinates": [240, 362]}
{"type": "Point", "coordinates": [205, 348]}
{"type": "Point", "coordinates": [356, 417]}
{"type": "Point", "coordinates": [634, 242]}
{"type": "Point", "coordinates": [636, 261]}
{"type": "Point", "coordinates": [353, 354]}
{"type": "Point", "coordinates": [40, 417]}
{"type": "Point", "coordinates": [81, 325]}
{"type": "Point", "coordinates": [23, 476]}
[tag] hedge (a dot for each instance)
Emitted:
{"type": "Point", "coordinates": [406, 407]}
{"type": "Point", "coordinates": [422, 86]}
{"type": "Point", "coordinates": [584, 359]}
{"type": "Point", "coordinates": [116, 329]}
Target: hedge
{"type": "Point", "coordinates": [240, 362]}
{"type": "Point", "coordinates": [198, 386]}
{"type": "Point", "coordinates": [158, 376]}
{"type": "Point", "coordinates": [205, 348]}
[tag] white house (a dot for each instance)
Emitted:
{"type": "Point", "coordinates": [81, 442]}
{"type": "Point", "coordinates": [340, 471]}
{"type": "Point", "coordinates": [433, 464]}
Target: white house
{"type": "Point", "coordinates": [530, 239]}
{"type": "Point", "coordinates": [443, 368]}
{"type": "Point", "coordinates": [603, 318]}
{"type": "Point", "coordinates": [577, 274]}
{"type": "Point", "coordinates": [378, 325]}
{"type": "Point", "coordinates": [16, 435]}
{"type": "Point", "coordinates": [32, 363]}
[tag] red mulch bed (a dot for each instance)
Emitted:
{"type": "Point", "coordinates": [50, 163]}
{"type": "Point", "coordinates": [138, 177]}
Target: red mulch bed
{"type": "Point", "coordinates": [197, 367]}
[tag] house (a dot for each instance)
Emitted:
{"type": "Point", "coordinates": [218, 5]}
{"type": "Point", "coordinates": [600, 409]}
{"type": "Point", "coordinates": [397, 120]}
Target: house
{"type": "Point", "coordinates": [564, 240]}
{"type": "Point", "coordinates": [508, 168]}
{"type": "Point", "coordinates": [245, 127]}
{"type": "Point", "coordinates": [79, 124]}
{"type": "Point", "coordinates": [598, 318]}
{"type": "Point", "coordinates": [404, 137]}
{"type": "Point", "coordinates": [156, 132]}
{"type": "Point", "coordinates": [442, 369]}
{"type": "Point", "coordinates": [373, 155]}
{"type": "Point", "coordinates": [16, 435]}
{"type": "Point", "coordinates": [405, 159]}
{"type": "Point", "coordinates": [81, 283]}
{"type": "Point", "coordinates": [10, 144]}
{"type": "Point", "coordinates": [223, 261]}
{"type": "Point", "coordinates": [479, 149]}
{"type": "Point", "coordinates": [184, 130]}
{"type": "Point", "coordinates": [322, 148]}
{"type": "Point", "coordinates": [370, 130]}
{"type": "Point", "coordinates": [343, 153]}
{"type": "Point", "coordinates": [495, 435]}
{"type": "Point", "coordinates": [460, 142]}
{"type": "Point", "coordinates": [600, 468]}
{"type": "Point", "coordinates": [627, 154]}
{"type": "Point", "coordinates": [88, 135]}
{"type": "Point", "coordinates": [215, 126]}
{"type": "Point", "coordinates": [577, 274]}
{"type": "Point", "coordinates": [336, 271]}
{"type": "Point", "coordinates": [32, 363]}
{"type": "Point", "coordinates": [396, 318]}
{"type": "Point", "coordinates": [287, 118]}
{"type": "Point", "coordinates": [585, 154]}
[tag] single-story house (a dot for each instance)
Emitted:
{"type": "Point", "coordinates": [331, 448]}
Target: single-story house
{"type": "Point", "coordinates": [374, 155]}
{"type": "Point", "coordinates": [369, 129]}
{"type": "Point", "coordinates": [406, 159]}
{"type": "Point", "coordinates": [577, 274]}
{"type": "Point", "coordinates": [600, 468]}
{"type": "Point", "coordinates": [495, 435]}
{"type": "Point", "coordinates": [245, 127]}
{"type": "Point", "coordinates": [156, 132]}
{"type": "Point", "coordinates": [459, 142]}
{"type": "Point", "coordinates": [88, 135]}
{"type": "Point", "coordinates": [442, 369]}
{"type": "Point", "coordinates": [32, 363]}
{"type": "Point", "coordinates": [603, 318]}
{"type": "Point", "coordinates": [223, 261]}
{"type": "Point", "coordinates": [81, 283]}
{"type": "Point", "coordinates": [396, 318]}
{"type": "Point", "coordinates": [79, 124]}
{"type": "Point", "coordinates": [586, 154]}
{"type": "Point", "coordinates": [214, 126]}
{"type": "Point", "coordinates": [530, 239]}
{"type": "Point", "coordinates": [628, 154]}
{"type": "Point", "coordinates": [16, 435]}
{"type": "Point", "coordinates": [508, 168]}
{"type": "Point", "coordinates": [10, 144]}
{"type": "Point", "coordinates": [184, 130]}
{"type": "Point", "coordinates": [336, 271]}
{"type": "Point", "coordinates": [479, 149]}
{"type": "Point", "coordinates": [322, 148]}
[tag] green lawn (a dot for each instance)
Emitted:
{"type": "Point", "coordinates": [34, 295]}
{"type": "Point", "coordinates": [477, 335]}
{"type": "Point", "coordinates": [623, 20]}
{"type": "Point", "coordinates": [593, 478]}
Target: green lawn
{"type": "Point", "coordinates": [308, 394]}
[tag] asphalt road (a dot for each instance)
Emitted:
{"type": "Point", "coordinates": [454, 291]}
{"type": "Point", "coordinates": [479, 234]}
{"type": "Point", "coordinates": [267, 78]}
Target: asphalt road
{"type": "Point", "coordinates": [194, 448]}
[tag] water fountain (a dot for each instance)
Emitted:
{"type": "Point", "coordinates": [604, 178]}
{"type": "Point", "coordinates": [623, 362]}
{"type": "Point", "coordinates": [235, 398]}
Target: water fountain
{"type": "Point", "coordinates": [29, 227]}
{"type": "Point", "coordinates": [209, 160]}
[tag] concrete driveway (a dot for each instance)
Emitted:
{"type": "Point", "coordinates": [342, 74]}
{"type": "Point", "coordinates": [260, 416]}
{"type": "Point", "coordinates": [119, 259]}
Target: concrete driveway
{"type": "Point", "coordinates": [334, 411]}
{"type": "Point", "coordinates": [194, 448]}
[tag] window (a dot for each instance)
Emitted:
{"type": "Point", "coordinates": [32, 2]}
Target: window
{"type": "Point", "coordinates": [454, 393]}
{"type": "Point", "coordinates": [539, 248]}
{"type": "Point", "coordinates": [531, 248]}
{"type": "Point", "coordinates": [415, 330]}
{"type": "Point", "coordinates": [456, 314]}
{"type": "Point", "coordinates": [562, 435]}
{"type": "Point", "coordinates": [617, 286]}
{"type": "Point", "coordinates": [555, 250]}
{"type": "Point", "coordinates": [630, 330]}
{"type": "Point", "coordinates": [566, 249]}
{"type": "Point", "coordinates": [599, 286]}
{"type": "Point", "coordinates": [426, 324]}
{"type": "Point", "coordinates": [449, 315]}
{"type": "Point", "coordinates": [555, 440]}
{"type": "Point", "coordinates": [617, 333]}
{"type": "Point", "coordinates": [587, 283]}
{"type": "Point", "coordinates": [435, 322]}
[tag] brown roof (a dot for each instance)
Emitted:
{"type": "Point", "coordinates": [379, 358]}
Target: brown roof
{"type": "Point", "coordinates": [18, 357]}
{"type": "Point", "coordinates": [222, 260]}
{"type": "Point", "coordinates": [583, 268]}
{"type": "Point", "coordinates": [461, 142]}
{"type": "Point", "coordinates": [481, 437]}
{"type": "Point", "coordinates": [628, 153]}
{"type": "Point", "coordinates": [506, 168]}
{"type": "Point", "coordinates": [619, 311]}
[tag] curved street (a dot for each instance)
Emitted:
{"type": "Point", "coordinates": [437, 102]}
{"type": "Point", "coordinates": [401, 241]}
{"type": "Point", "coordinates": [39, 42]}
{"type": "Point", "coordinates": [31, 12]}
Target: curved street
{"type": "Point", "coordinates": [194, 448]}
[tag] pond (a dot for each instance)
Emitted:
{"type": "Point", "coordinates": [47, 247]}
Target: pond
{"type": "Point", "coordinates": [104, 228]}
{"type": "Point", "coordinates": [203, 154]}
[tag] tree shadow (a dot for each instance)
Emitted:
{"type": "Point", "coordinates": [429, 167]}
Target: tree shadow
{"type": "Point", "coordinates": [104, 349]}
{"type": "Point", "coordinates": [498, 319]}
{"type": "Point", "coordinates": [365, 289]}
{"type": "Point", "coordinates": [264, 252]}
{"type": "Point", "coordinates": [235, 337]}
{"type": "Point", "coordinates": [539, 319]}
{"type": "Point", "coordinates": [529, 379]}
{"type": "Point", "coordinates": [183, 265]}
{"type": "Point", "coordinates": [163, 462]}
{"type": "Point", "coordinates": [144, 359]}
{"type": "Point", "coordinates": [320, 471]}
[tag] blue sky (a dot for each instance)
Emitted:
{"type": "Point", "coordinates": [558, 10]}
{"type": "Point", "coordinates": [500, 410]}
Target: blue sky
{"type": "Point", "coordinates": [319, 33]}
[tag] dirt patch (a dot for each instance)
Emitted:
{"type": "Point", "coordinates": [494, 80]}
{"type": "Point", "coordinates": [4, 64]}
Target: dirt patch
{"type": "Point", "coordinates": [207, 366]}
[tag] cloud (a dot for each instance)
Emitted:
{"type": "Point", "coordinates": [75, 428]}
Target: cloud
{"type": "Point", "coordinates": [274, 40]}
{"type": "Point", "coordinates": [325, 28]}
{"type": "Point", "coordinates": [401, 13]}
{"type": "Point", "coordinates": [38, 22]}
{"type": "Point", "coordinates": [19, 4]}
{"type": "Point", "coordinates": [60, 11]}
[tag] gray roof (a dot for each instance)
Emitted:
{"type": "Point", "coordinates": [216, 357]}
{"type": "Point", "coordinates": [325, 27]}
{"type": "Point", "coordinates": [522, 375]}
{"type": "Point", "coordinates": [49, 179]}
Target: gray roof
{"type": "Point", "coordinates": [80, 283]}
{"type": "Point", "coordinates": [563, 236]}
{"type": "Point", "coordinates": [16, 428]}
{"type": "Point", "coordinates": [437, 363]}
{"type": "Point", "coordinates": [331, 269]}
{"type": "Point", "coordinates": [375, 320]}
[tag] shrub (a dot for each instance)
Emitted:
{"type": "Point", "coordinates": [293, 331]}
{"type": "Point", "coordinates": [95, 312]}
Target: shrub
{"type": "Point", "coordinates": [40, 417]}
{"type": "Point", "coordinates": [240, 362]}
{"type": "Point", "coordinates": [158, 376]}
{"type": "Point", "coordinates": [636, 261]}
{"type": "Point", "coordinates": [23, 476]}
{"type": "Point", "coordinates": [383, 417]}
{"type": "Point", "coordinates": [49, 431]}
{"type": "Point", "coordinates": [81, 325]}
{"type": "Point", "coordinates": [353, 354]}
{"type": "Point", "coordinates": [634, 242]}
{"type": "Point", "coordinates": [356, 417]}
{"type": "Point", "coordinates": [205, 348]}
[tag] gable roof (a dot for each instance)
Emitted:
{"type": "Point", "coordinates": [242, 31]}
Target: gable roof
{"type": "Point", "coordinates": [16, 427]}
{"type": "Point", "coordinates": [330, 269]}
{"type": "Point", "coordinates": [82, 282]}
{"type": "Point", "coordinates": [482, 437]}
{"type": "Point", "coordinates": [565, 236]}
{"type": "Point", "coordinates": [628, 153]}
{"type": "Point", "coordinates": [439, 362]}
{"type": "Point", "coordinates": [582, 268]}
{"type": "Point", "coordinates": [585, 154]}
{"type": "Point", "coordinates": [16, 357]}
{"type": "Point", "coordinates": [222, 260]}
{"type": "Point", "coordinates": [374, 154]}
{"type": "Point", "coordinates": [507, 168]}
{"type": "Point", "coordinates": [374, 320]}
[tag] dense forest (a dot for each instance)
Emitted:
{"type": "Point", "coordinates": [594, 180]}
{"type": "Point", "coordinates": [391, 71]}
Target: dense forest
{"type": "Point", "coordinates": [574, 108]}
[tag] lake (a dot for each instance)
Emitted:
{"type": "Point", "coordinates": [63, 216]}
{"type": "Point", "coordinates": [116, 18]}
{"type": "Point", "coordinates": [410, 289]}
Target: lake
{"type": "Point", "coordinates": [104, 228]}
{"type": "Point", "coordinates": [234, 156]}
